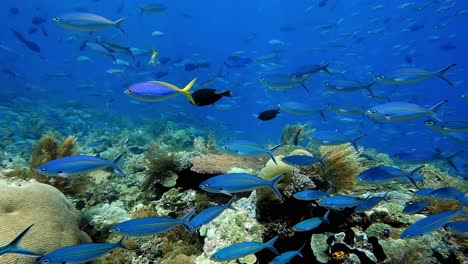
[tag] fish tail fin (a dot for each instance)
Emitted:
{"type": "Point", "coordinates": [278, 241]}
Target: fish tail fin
{"type": "Point", "coordinates": [226, 93]}
{"type": "Point", "coordinates": [121, 243]}
{"type": "Point", "coordinates": [185, 221]}
{"type": "Point", "coordinates": [305, 87]}
{"type": "Point", "coordinates": [273, 186]}
{"type": "Point", "coordinates": [270, 245]}
{"type": "Point", "coordinates": [325, 68]}
{"type": "Point", "coordinates": [130, 53]}
{"type": "Point", "coordinates": [14, 246]}
{"type": "Point", "coordinates": [113, 58]}
{"type": "Point", "coordinates": [115, 164]}
{"type": "Point", "coordinates": [450, 158]}
{"type": "Point", "coordinates": [229, 204]}
{"type": "Point", "coordinates": [368, 88]}
{"type": "Point", "coordinates": [435, 108]}
{"type": "Point", "coordinates": [270, 152]}
{"type": "Point", "coordinates": [411, 175]}
{"type": "Point", "coordinates": [441, 73]}
{"type": "Point", "coordinates": [186, 91]}
{"type": "Point", "coordinates": [142, 10]}
{"type": "Point", "coordinates": [325, 217]}
{"type": "Point", "coordinates": [354, 140]}
{"type": "Point", "coordinates": [119, 27]}
{"type": "Point", "coordinates": [322, 114]}
{"type": "Point", "coordinates": [300, 249]}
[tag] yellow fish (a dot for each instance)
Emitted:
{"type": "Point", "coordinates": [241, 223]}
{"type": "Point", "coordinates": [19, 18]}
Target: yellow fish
{"type": "Point", "coordinates": [154, 58]}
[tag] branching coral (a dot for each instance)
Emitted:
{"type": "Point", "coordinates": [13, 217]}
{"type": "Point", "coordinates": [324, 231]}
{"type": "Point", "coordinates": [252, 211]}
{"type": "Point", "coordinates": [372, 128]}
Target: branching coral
{"type": "Point", "coordinates": [205, 146]}
{"type": "Point", "coordinates": [342, 165]}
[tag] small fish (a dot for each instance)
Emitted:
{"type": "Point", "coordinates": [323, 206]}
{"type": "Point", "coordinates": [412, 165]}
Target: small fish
{"type": "Point", "coordinates": [346, 109]}
{"type": "Point", "coordinates": [157, 33]}
{"type": "Point", "coordinates": [333, 137]}
{"type": "Point", "coordinates": [239, 182]}
{"type": "Point", "coordinates": [406, 76]}
{"type": "Point", "coordinates": [114, 46]}
{"type": "Point", "coordinates": [148, 226]}
{"type": "Point", "coordinates": [248, 148]}
{"type": "Point", "coordinates": [154, 59]}
{"type": "Point", "coordinates": [369, 203]}
{"type": "Point", "coordinates": [444, 193]}
{"type": "Point", "coordinates": [157, 91]}
{"type": "Point", "coordinates": [459, 228]}
{"type": "Point", "coordinates": [412, 208]}
{"type": "Point", "coordinates": [80, 253]}
{"type": "Point", "coordinates": [427, 157]}
{"type": "Point", "coordinates": [430, 223]}
{"type": "Point", "coordinates": [277, 82]}
{"type": "Point", "coordinates": [339, 202]}
{"type": "Point", "coordinates": [446, 127]}
{"type": "Point", "coordinates": [286, 257]}
{"type": "Point", "coordinates": [75, 165]}
{"type": "Point", "coordinates": [207, 215]}
{"type": "Point", "coordinates": [239, 250]}
{"type": "Point", "coordinates": [268, 114]}
{"type": "Point", "coordinates": [87, 22]}
{"type": "Point", "coordinates": [302, 160]}
{"type": "Point", "coordinates": [101, 50]}
{"type": "Point", "coordinates": [13, 246]}
{"type": "Point", "coordinates": [402, 111]}
{"type": "Point", "coordinates": [311, 195]}
{"type": "Point", "coordinates": [207, 96]}
{"type": "Point", "coordinates": [303, 73]}
{"type": "Point", "coordinates": [348, 86]}
{"type": "Point", "coordinates": [382, 174]}
{"type": "Point", "coordinates": [152, 9]}
{"type": "Point", "coordinates": [29, 44]}
{"type": "Point", "coordinates": [298, 108]}
{"type": "Point", "coordinates": [311, 224]}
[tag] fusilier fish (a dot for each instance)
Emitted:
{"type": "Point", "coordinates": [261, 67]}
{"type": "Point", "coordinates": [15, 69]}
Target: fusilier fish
{"type": "Point", "coordinates": [405, 76]}
{"type": "Point", "coordinates": [459, 228]}
{"type": "Point", "coordinates": [239, 182]}
{"type": "Point", "coordinates": [339, 202]}
{"type": "Point", "coordinates": [382, 174]}
{"type": "Point", "coordinates": [311, 224]}
{"type": "Point", "coordinates": [430, 223]}
{"type": "Point", "coordinates": [369, 203]}
{"type": "Point", "coordinates": [348, 86]}
{"type": "Point", "coordinates": [310, 195]}
{"type": "Point", "coordinates": [239, 250]}
{"type": "Point", "coordinates": [302, 160]}
{"type": "Point", "coordinates": [157, 91]}
{"type": "Point", "coordinates": [75, 165]}
{"type": "Point", "coordinates": [402, 111]}
{"type": "Point", "coordinates": [248, 148]}
{"type": "Point", "coordinates": [87, 22]}
{"type": "Point", "coordinates": [412, 208]}
{"type": "Point", "coordinates": [207, 215]}
{"type": "Point", "coordinates": [287, 256]}
{"type": "Point", "coordinates": [298, 108]}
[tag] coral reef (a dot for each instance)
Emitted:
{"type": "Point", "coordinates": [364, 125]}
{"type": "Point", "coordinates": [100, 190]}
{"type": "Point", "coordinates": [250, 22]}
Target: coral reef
{"type": "Point", "coordinates": [55, 220]}
{"type": "Point", "coordinates": [290, 132]}
{"type": "Point", "coordinates": [103, 216]}
{"type": "Point", "coordinates": [213, 164]}
{"type": "Point", "coordinates": [205, 146]}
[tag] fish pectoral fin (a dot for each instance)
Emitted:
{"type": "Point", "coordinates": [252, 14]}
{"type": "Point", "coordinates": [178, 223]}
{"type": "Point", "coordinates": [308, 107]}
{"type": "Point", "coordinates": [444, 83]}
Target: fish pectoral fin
{"type": "Point", "coordinates": [225, 192]}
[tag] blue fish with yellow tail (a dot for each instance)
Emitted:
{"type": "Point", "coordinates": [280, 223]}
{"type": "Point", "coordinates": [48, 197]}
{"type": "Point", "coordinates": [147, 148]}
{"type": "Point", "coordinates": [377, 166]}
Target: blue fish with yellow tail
{"type": "Point", "coordinates": [430, 223]}
{"type": "Point", "coordinates": [402, 111]}
{"type": "Point", "coordinates": [80, 253]}
{"type": "Point", "coordinates": [207, 215]}
{"type": "Point", "coordinates": [239, 182]}
{"type": "Point", "coordinates": [382, 174]}
{"type": "Point", "coordinates": [286, 257]}
{"type": "Point", "coordinates": [242, 249]}
{"type": "Point", "coordinates": [147, 226]}
{"type": "Point", "coordinates": [75, 165]}
{"type": "Point", "coordinates": [310, 195]}
{"type": "Point", "coordinates": [339, 202]}
{"type": "Point", "coordinates": [14, 248]}
{"type": "Point", "coordinates": [248, 148]}
{"type": "Point", "coordinates": [157, 91]}
{"type": "Point", "coordinates": [311, 224]}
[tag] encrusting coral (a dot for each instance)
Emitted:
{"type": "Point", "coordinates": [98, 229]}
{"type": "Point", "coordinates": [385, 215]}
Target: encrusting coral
{"type": "Point", "coordinates": [213, 164]}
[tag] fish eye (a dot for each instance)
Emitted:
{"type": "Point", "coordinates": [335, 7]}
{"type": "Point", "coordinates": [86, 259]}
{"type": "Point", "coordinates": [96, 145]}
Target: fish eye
{"type": "Point", "coordinates": [56, 19]}
{"type": "Point", "coordinates": [237, 151]}
{"type": "Point", "coordinates": [221, 189]}
{"type": "Point", "coordinates": [325, 83]}
{"type": "Point", "coordinates": [381, 77]}
{"type": "Point", "coordinates": [129, 91]}
{"type": "Point", "coordinates": [293, 76]}
{"type": "Point", "coordinates": [428, 122]}
{"type": "Point", "coordinates": [216, 258]}
{"type": "Point", "coordinates": [261, 79]}
{"type": "Point", "coordinates": [373, 111]}
{"type": "Point", "coordinates": [329, 105]}
{"type": "Point", "coordinates": [59, 172]}
{"type": "Point", "coordinates": [42, 169]}
{"type": "Point", "coordinates": [206, 186]}
{"type": "Point", "coordinates": [225, 147]}
{"type": "Point", "coordinates": [45, 261]}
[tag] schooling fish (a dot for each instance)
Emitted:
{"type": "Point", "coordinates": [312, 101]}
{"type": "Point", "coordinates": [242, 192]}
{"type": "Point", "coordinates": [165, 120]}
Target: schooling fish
{"type": "Point", "coordinates": [302, 160]}
{"type": "Point", "coordinates": [99, 49]}
{"type": "Point", "coordinates": [444, 193]}
{"type": "Point", "coordinates": [248, 148]}
{"type": "Point", "coordinates": [446, 127]}
{"type": "Point", "coordinates": [430, 223]}
{"type": "Point", "coordinates": [208, 96]}
{"type": "Point", "coordinates": [346, 109]}
{"type": "Point", "coordinates": [157, 91]}
{"type": "Point", "coordinates": [80, 253]}
{"type": "Point", "coordinates": [152, 9]}
{"type": "Point", "coordinates": [207, 215]}
{"type": "Point", "coordinates": [75, 165]}
{"type": "Point", "coordinates": [239, 250]}
{"type": "Point", "coordinates": [29, 44]}
{"type": "Point", "coordinates": [277, 82]}
{"type": "Point", "coordinates": [305, 72]}
{"type": "Point", "coordinates": [369, 203]}
{"type": "Point", "coordinates": [383, 174]}
{"type": "Point", "coordinates": [148, 226]}
{"type": "Point", "coordinates": [339, 202]}
{"type": "Point", "coordinates": [406, 76]}
{"type": "Point", "coordinates": [268, 114]}
{"type": "Point", "coordinates": [297, 108]}
{"type": "Point", "coordinates": [459, 228]}
{"type": "Point", "coordinates": [239, 182]}
{"type": "Point", "coordinates": [13, 246]}
{"type": "Point", "coordinates": [427, 157]}
{"type": "Point", "coordinates": [87, 22]}
{"type": "Point", "coordinates": [286, 257]}
{"type": "Point", "coordinates": [402, 111]}
{"type": "Point", "coordinates": [333, 137]}
{"type": "Point", "coordinates": [412, 208]}
{"type": "Point", "coordinates": [311, 195]}
{"type": "Point", "coordinates": [348, 86]}
{"type": "Point", "coordinates": [311, 224]}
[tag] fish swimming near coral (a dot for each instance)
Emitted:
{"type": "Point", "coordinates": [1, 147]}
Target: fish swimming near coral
{"type": "Point", "coordinates": [298, 108]}
{"type": "Point", "coordinates": [406, 76]}
{"type": "Point", "coordinates": [76, 165]}
{"type": "Point", "coordinates": [427, 157]}
{"type": "Point", "coordinates": [333, 137]}
{"type": "Point", "coordinates": [148, 226]}
{"type": "Point", "coordinates": [402, 111]}
{"type": "Point", "coordinates": [369, 203]}
{"type": "Point", "coordinates": [302, 160]}
{"type": "Point", "coordinates": [239, 182]}
{"type": "Point", "coordinates": [311, 224]}
{"type": "Point", "coordinates": [207, 215]}
{"type": "Point", "coordinates": [248, 148]}
{"type": "Point", "coordinates": [80, 253]}
{"type": "Point", "coordinates": [157, 91]}
{"type": "Point", "coordinates": [339, 202]}
{"type": "Point", "coordinates": [382, 174]}
{"type": "Point", "coordinates": [13, 246]}
{"type": "Point", "coordinates": [430, 223]}
{"type": "Point", "coordinates": [412, 208]}
{"type": "Point", "coordinates": [311, 195]}
{"type": "Point", "coordinates": [459, 228]}
{"type": "Point", "coordinates": [287, 256]}
{"type": "Point", "coordinates": [239, 250]}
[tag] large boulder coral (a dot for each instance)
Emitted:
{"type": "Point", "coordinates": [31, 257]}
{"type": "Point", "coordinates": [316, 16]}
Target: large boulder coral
{"type": "Point", "coordinates": [54, 218]}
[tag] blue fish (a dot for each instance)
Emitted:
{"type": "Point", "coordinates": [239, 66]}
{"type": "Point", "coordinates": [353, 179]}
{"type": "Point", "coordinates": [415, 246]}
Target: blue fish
{"type": "Point", "coordinates": [459, 228]}
{"type": "Point", "coordinates": [286, 257]}
{"type": "Point", "coordinates": [248, 148]}
{"type": "Point", "coordinates": [311, 224]}
{"type": "Point", "coordinates": [75, 165]}
{"type": "Point", "coordinates": [412, 208]}
{"type": "Point", "coordinates": [427, 157]}
{"type": "Point", "coordinates": [147, 226]}
{"type": "Point", "coordinates": [424, 191]}
{"type": "Point", "coordinates": [310, 195]}
{"type": "Point", "coordinates": [80, 253]}
{"type": "Point", "coordinates": [242, 249]}
{"type": "Point", "coordinates": [302, 160]}
{"type": "Point", "coordinates": [430, 223]}
{"type": "Point", "coordinates": [339, 202]}
{"type": "Point", "coordinates": [13, 246]}
{"type": "Point", "coordinates": [207, 215]}
{"type": "Point", "coordinates": [239, 182]}
{"type": "Point", "coordinates": [369, 203]}
{"type": "Point", "coordinates": [333, 137]}
{"type": "Point", "coordinates": [402, 111]}
{"type": "Point", "coordinates": [156, 91]}
{"type": "Point", "coordinates": [301, 109]}
{"type": "Point", "coordinates": [383, 174]}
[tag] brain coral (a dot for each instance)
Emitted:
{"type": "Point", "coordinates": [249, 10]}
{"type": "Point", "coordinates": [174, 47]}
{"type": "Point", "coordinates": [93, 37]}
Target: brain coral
{"type": "Point", "coordinates": [54, 218]}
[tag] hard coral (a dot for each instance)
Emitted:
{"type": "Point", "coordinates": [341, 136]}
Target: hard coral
{"type": "Point", "coordinates": [222, 163]}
